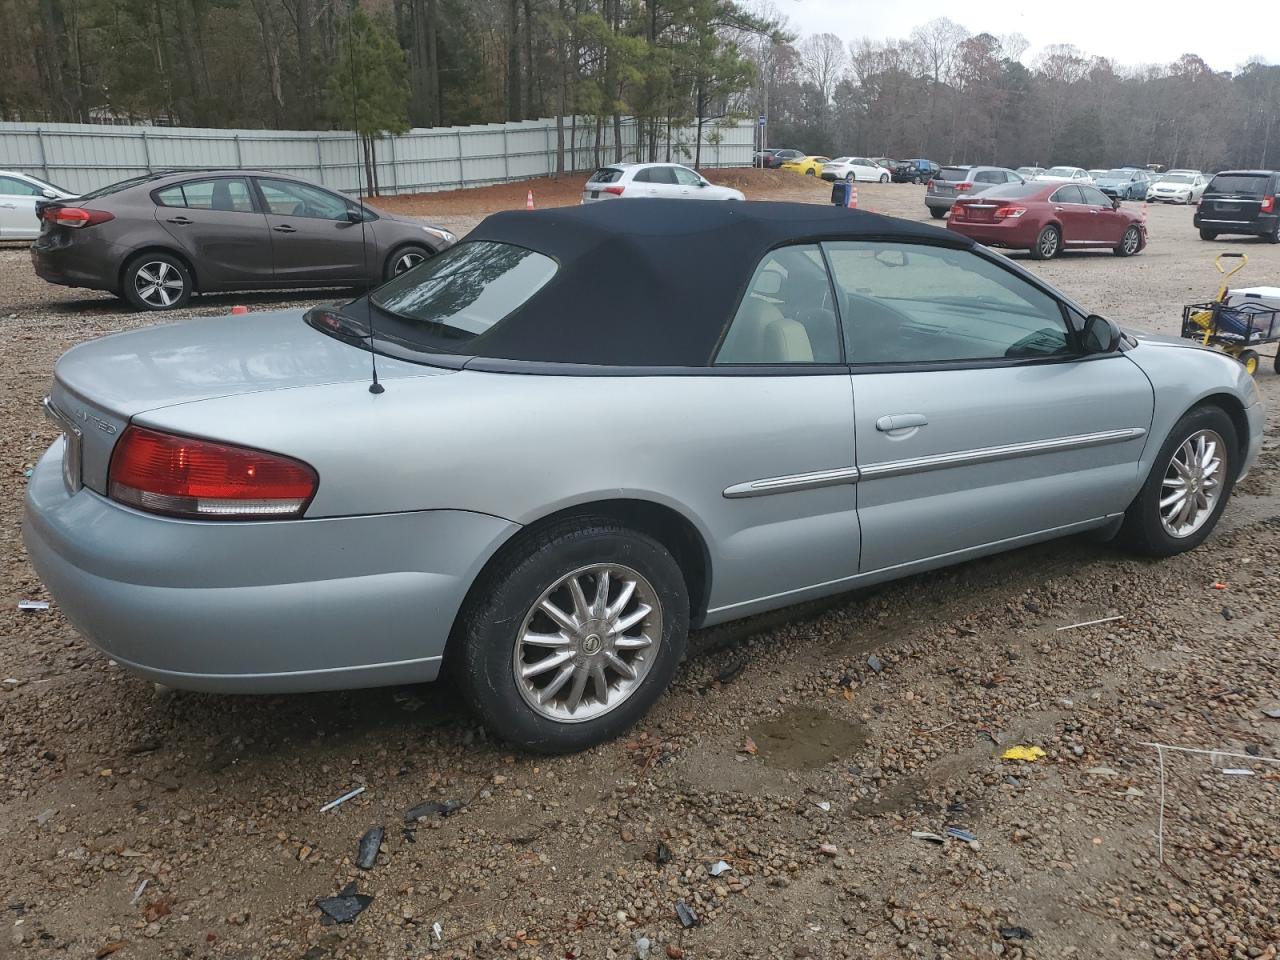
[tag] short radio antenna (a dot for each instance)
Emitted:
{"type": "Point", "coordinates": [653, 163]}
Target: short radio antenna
{"type": "Point", "coordinates": [374, 387]}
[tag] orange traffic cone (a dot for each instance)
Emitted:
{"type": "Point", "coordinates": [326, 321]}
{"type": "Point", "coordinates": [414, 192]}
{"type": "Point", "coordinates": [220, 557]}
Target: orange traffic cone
{"type": "Point", "coordinates": [528, 201]}
{"type": "Point", "coordinates": [853, 197]}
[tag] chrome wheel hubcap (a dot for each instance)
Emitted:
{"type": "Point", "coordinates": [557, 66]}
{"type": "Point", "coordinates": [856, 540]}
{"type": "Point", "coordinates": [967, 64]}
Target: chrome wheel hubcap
{"type": "Point", "coordinates": [158, 283]}
{"type": "Point", "coordinates": [1192, 484]}
{"type": "Point", "coordinates": [588, 643]}
{"type": "Point", "coordinates": [407, 262]}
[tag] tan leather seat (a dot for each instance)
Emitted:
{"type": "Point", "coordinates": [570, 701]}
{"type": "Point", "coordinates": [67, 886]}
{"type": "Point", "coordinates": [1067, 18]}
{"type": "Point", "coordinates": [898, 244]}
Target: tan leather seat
{"type": "Point", "coordinates": [786, 341]}
{"type": "Point", "coordinates": [745, 342]}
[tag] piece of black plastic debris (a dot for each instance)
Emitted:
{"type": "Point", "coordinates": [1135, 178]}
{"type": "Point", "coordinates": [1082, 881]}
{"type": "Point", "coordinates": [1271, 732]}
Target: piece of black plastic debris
{"type": "Point", "coordinates": [1015, 933]}
{"type": "Point", "coordinates": [1031, 606]}
{"type": "Point", "coordinates": [685, 914]}
{"type": "Point", "coordinates": [370, 844]}
{"type": "Point", "coordinates": [1227, 614]}
{"type": "Point", "coordinates": [874, 663]}
{"type": "Point", "coordinates": [731, 672]}
{"type": "Point", "coordinates": [345, 906]}
{"type": "Point", "coordinates": [410, 834]}
{"type": "Point", "coordinates": [1253, 750]}
{"type": "Point", "coordinates": [957, 806]}
{"type": "Point", "coordinates": [430, 808]}
{"type": "Point", "coordinates": [661, 854]}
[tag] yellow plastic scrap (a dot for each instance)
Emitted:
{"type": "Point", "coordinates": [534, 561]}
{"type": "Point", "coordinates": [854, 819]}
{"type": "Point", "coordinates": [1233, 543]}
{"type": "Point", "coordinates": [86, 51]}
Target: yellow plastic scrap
{"type": "Point", "coordinates": [1021, 752]}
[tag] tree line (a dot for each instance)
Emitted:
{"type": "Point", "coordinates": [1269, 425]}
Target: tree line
{"type": "Point", "coordinates": [940, 92]}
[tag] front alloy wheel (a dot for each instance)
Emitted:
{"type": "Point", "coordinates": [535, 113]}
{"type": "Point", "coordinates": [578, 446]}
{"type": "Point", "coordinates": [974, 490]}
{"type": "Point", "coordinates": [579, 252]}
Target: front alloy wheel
{"type": "Point", "coordinates": [1192, 484]}
{"type": "Point", "coordinates": [588, 643]}
{"type": "Point", "coordinates": [1130, 242]}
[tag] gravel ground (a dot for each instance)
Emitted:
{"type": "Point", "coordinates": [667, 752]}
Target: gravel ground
{"type": "Point", "coordinates": [803, 750]}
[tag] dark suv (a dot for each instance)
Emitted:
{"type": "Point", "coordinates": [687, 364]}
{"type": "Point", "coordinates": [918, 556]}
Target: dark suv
{"type": "Point", "coordinates": [156, 239]}
{"type": "Point", "coordinates": [1240, 201]}
{"type": "Point", "coordinates": [915, 171]}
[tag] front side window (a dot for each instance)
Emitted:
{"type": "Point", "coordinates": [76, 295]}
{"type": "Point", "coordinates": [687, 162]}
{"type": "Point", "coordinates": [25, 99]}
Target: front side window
{"type": "Point", "coordinates": [460, 294]}
{"type": "Point", "coordinates": [787, 315]}
{"type": "Point", "coordinates": [1094, 196]}
{"type": "Point", "coordinates": [285, 198]}
{"type": "Point", "coordinates": [13, 187]}
{"type": "Point", "coordinates": [687, 177]}
{"type": "Point", "coordinates": [911, 303]}
{"type": "Point", "coordinates": [1069, 194]}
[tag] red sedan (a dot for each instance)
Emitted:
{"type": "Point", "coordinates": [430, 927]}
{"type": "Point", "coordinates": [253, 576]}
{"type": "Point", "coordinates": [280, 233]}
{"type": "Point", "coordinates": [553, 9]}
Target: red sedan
{"type": "Point", "coordinates": [1047, 218]}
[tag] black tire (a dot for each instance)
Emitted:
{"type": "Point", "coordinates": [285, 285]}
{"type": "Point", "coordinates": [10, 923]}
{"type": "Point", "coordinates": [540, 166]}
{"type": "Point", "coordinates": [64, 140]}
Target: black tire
{"type": "Point", "coordinates": [810, 172]}
{"type": "Point", "coordinates": [1142, 530]}
{"type": "Point", "coordinates": [1130, 243]}
{"type": "Point", "coordinates": [396, 265]}
{"type": "Point", "coordinates": [936, 213]}
{"type": "Point", "coordinates": [172, 289]}
{"type": "Point", "coordinates": [505, 595]}
{"type": "Point", "coordinates": [1048, 244]}
{"type": "Point", "coordinates": [1275, 362]}
{"type": "Point", "coordinates": [1208, 234]}
{"type": "Point", "coordinates": [1274, 235]}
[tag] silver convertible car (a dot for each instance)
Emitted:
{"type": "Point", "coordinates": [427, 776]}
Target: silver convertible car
{"type": "Point", "coordinates": [592, 429]}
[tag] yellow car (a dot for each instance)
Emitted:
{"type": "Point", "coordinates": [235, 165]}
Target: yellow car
{"type": "Point", "coordinates": [809, 166]}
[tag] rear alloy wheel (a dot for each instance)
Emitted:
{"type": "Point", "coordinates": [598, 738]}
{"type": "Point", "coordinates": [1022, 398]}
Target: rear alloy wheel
{"type": "Point", "coordinates": [1208, 234]}
{"type": "Point", "coordinates": [157, 281]}
{"type": "Point", "coordinates": [572, 635]}
{"type": "Point", "coordinates": [1047, 244]}
{"type": "Point", "coordinates": [405, 258]}
{"type": "Point", "coordinates": [1130, 243]}
{"type": "Point", "coordinates": [849, 177]}
{"type": "Point", "coordinates": [1187, 488]}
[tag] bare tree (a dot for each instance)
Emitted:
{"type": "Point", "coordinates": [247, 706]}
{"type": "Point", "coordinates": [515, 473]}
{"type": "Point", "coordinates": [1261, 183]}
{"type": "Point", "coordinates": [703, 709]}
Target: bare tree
{"type": "Point", "coordinates": [823, 61]}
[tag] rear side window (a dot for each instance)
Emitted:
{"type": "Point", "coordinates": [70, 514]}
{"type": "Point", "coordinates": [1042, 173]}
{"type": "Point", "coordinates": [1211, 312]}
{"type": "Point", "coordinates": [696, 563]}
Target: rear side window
{"type": "Point", "coordinates": [953, 173]}
{"type": "Point", "coordinates": [607, 175]}
{"type": "Point", "coordinates": [230, 194]}
{"type": "Point", "coordinates": [989, 176]}
{"type": "Point", "coordinates": [787, 315]}
{"type": "Point", "coordinates": [661, 175]}
{"type": "Point", "coordinates": [1249, 184]}
{"type": "Point", "coordinates": [911, 303]}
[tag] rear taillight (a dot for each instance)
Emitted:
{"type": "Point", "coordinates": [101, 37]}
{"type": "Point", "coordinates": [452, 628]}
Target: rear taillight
{"type": "Point", "coordinates": [929, 185]}
{"type": "Point", "coordinates": [1009, 213]}
{"type": "Point", "coordinates": [186, 477]}
{"type": "Point", "coordinates": [76, 216]}
{"type": "Point", "coordinates": [1268, 204]}
{"type": "Point", "coordinates": [957, 211]}
{"type": "Point", "coordinates": [616, 191]}
{"type": "Point", "coordinates": [964, 185]}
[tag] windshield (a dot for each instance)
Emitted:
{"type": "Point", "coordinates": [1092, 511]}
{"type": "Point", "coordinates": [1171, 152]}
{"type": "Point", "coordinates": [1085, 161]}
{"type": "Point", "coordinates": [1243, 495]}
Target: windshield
{"type": "Point", "coordinates": [1253, 184]}
{"type": "Point", "coordinates": [1175, 178]}
{"type": "Point", "coordinates": [46, 183]}
{"type": "Point", "coordinates": [1062, 171]}
{"type": "Point", "coordinates": [459, 295]}
{"type": "Point", "coordinates": [1118, 175]}
{"type": "Point", "coordinates": [842, 160]}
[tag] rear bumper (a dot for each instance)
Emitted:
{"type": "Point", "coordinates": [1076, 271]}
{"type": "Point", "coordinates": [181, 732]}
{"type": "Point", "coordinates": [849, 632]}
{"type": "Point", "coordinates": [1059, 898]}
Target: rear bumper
{"type": "Point", "coordinates": [1012, 234]}
{"type": "Point", "coordinates": [1260, 225]}
{"type": "Point", "coordinates": [939, 203]}
{"type": "Point", "coordinates": [77, 265]}
{"type": "Point", "coordinates": [256, 607]}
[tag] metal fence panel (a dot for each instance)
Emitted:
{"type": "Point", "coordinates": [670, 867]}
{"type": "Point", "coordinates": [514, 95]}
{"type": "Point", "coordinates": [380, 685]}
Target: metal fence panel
{"type": "Point", "coordinates": [83, 157]}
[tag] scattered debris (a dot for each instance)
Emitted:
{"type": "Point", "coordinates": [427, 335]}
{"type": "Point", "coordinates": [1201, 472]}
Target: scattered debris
{"type": "Point", "coordinates": [156, 910]}
{"type": "Point", "coordinates": [1013, 781]}
{"type": "Point", "coordinates": [345, 906]}
{"type": "Point", "coordinates": [107, 949]}
{"type": "Point", "coordinates": [1227, 614]}
{"type": "Point", "coordinates": [660, 854]}
{"type": "Point", "coordinates": [342, 799]}
{"type": "Point", "coordinates": [1272, 712]}
{"type": "Point", "coordinates": [874, 663]}
{"type": "Point", "coordinates": [44, 816]}
{"type": "Point", "coordinates": [433, 807]}
{"type": "Point", "coordinates": [1253, 750]}
{"type": "Point", "coordinates": [1103, 772]}
{"type": "Point", "coordinates": [823, 805]}
{"type": "Point", "coordinates": [30, 606]}
{"type": "Point", "coordinates": [1090, 623]}
{"type": "Point", "coordinates": [1237, 772]}
{"type": "Point", "coordinates": [749, 746]}
{"type": "Point", "coordinates": [674, 952]}
{"type": "Point", "coordinates": [643, 946]}
{"type": "Point", "coordinates": [1219, 586]}
{"type": "Point", "coordinates": [930, 837]}
{"type": "Point", "coordinates": [828, 849]}
{"type": "Point", "coordinates": [731, 672]}
{"type": "Point", "coordinates": [137, 894]}
{"type": "Point", "coordinates": [685, 914]}
{"type": "Point", "coordinates": [408, 702]}
{"type": "Point", "coordinates": [437, 931]}
{"type": "Point", "coordinates": [1027, 754]}
{"type": "Point", "coordinates": [370, 844]}
{"type": "Point", "coordinates": [719, 867]}
{"type": "Point", "coordinates": [957, 806]}
{"type": "Point", "coordinates": [1015, 933]}
{"type": "Point", "coordinates": [959, 833]}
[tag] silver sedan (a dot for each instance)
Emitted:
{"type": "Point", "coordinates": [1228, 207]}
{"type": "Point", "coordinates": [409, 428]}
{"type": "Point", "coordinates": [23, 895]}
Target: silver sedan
{"type": "Point", "coordinates": [590, 430]}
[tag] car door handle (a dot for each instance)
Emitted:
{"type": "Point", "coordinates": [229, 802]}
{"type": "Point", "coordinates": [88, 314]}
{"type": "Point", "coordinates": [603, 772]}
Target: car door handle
{"type": "Point", "coordinates": [901, 421]}
{"type": "Point", "coordinates": [284, 228]}
{"type": "Point", "coordinates": [9, 206]}
{"type": "Point", "coordinates": [178, 220]}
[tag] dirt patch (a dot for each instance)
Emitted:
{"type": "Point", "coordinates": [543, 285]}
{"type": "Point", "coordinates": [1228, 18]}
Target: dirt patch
{"type": "Point", "coordinates": [804, 738]}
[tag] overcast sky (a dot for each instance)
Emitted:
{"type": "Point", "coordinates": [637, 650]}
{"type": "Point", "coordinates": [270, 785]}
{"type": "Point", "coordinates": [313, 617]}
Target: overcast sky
{"type": "Point", "coordinates": [1132, 33]}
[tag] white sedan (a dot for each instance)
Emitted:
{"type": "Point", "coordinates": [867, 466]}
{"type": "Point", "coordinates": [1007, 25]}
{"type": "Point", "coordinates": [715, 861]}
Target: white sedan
{"type": "Point", "coordinates": [18, 195]}
{"type": "Point", "coordinates": [1066, 175]}
{"type": "Point", "coordinates": [855, 168]}
{"type": "Point", "coordinates": [668, 181]}
{"type": "Point", "coordinates": [1178, 188]}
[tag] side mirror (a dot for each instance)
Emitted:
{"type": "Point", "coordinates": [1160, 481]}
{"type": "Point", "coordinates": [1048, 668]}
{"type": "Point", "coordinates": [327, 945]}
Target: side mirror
{"type": "Point", "coordinates": [703, 183]}
{"type": "Point", "coordinates": [1115, 203]}
{"type": "Point", "coordinates": [1100, 335]}
{"type": "Point", "coordinates": [354, 215]}
{"type": "Point", "coordinates": [49, 194]}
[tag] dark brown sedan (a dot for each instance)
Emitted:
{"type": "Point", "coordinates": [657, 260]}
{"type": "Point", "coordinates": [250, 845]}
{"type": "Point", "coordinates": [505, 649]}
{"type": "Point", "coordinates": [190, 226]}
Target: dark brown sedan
{"type": "Point", "coordinates": [156, 240]}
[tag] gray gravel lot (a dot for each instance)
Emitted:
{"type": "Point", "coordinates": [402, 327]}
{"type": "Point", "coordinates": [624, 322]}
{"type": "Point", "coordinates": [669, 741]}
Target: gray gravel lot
{"type": "Point", "coordinates": [805, 769]}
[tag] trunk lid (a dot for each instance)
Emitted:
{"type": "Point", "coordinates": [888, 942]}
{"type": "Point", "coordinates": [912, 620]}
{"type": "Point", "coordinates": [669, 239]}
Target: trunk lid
{"type": "Point", "coordinates": [99, 386]}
